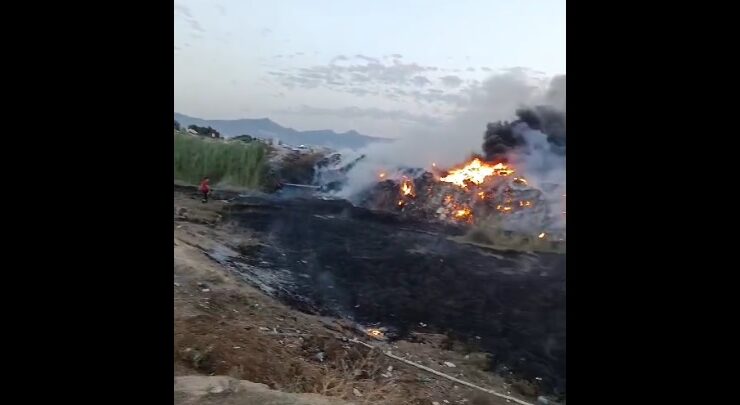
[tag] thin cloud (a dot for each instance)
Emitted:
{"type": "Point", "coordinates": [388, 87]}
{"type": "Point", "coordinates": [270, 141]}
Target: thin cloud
{"type": "Point", "coordinates": [195, 25]}
{"type": "Point", "coordinates": [184, 11]}
{"type": "Point", "coordinates": [420, 81]}
{"type": "Point", "coordinates": [338, 58]}
{"type": "Point", "coordinates": [180, 9]}
{"type": "Point", "coordinates": [355, 112]}
{"type": "Point", "coordinates": [363, 75]}
{"type": "Point", "coordinates": [372, 72]}
{"type": "Point", "coordinates": [367, 58]}
{"type": "Point", "coordinates": [451, 81]}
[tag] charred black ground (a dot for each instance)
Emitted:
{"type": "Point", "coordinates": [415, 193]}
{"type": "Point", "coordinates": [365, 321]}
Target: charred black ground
{"type": "Point", "coordinates": [332, 258]}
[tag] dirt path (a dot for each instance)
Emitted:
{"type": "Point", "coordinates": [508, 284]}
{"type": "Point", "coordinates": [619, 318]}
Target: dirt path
{"type": "Point", "coordinates": [226, 327]}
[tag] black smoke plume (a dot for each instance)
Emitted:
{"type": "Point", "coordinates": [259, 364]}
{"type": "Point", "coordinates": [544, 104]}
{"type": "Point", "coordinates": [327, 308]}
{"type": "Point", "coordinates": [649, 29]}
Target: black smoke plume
{"type": "Point", "coordinates": [503, 137]}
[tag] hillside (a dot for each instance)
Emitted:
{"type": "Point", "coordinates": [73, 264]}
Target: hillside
{"type": "Point", "coordinates": [268, 129]}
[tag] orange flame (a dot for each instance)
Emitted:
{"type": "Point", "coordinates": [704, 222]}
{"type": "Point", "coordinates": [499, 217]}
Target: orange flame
{"type": "Point", "coordinates": [376, 333]}
{"type": "Point", "coordinates": [525, 203]}
{"type": "Point", "coordinates": [503, 208]}
{"type": "Point", "coordinates": [462, 213]}
{"type": "Point", "coordinates": [476, 172]}
{"type": "Point", "coordinates": [407, 188]}
{"type": "Point", "coordinates": [381, 175]}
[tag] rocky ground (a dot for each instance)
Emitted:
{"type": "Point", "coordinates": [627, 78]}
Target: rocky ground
{"type": "Point", "coordinates": [230, 337]}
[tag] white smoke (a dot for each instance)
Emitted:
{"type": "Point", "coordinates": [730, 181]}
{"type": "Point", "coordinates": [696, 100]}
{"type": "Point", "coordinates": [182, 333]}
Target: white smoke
{"type": "Point", "coordinates": [544, 170]}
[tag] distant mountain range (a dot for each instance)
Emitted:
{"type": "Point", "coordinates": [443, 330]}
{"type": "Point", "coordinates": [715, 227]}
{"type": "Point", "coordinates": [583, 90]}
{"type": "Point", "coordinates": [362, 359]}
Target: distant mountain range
{"type": "Point", "coordinates": [268, 129]}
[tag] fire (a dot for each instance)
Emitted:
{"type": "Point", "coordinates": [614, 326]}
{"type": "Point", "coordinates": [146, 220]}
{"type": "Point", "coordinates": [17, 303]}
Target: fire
{"type": "Point", "coordinates": [462, 213]}
{"type": "Point", "coordinates": [503, 208]}
{"type": "Point", "coordinates": [502, 170]}
{"type": "Point", "coordinates": [400, 203]}
{"type": "Point", "coordinates": [375, 333]}
{"type": "Point", "coordinates": [476, 172]}
{"type": "Point", "coordinates": [525, 203]}
{"type": "Point", "coordinates": [482, 195]}
{"type": "Point", "coordinates": [381, 175]}
{"type": "Point", "coordinates": [542, 235]}
{"type": "Point", "coordinates": [407, 188]}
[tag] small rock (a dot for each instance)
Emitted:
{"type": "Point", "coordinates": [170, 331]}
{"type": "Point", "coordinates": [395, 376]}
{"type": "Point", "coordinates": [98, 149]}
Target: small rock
{"type": "Point", "coordinates": [467, 357]}
{"type": "Point", "coordinates": [542, 401]}
{"type": "Point", "coordinates": [448, 364]}
{"type": "Point", "coordinates": [445, 401]}
{"type": "Point", "coordinates": [205, 290]}
{"type": "Point", "coordinates": [177, 284]}
{"type": "Point", "coordinates": [390, 368]}
{"type": "Point", "coordinates": [263, 329]}
{"type": "Point", "coordinates": [202, 285]}
{"type": "Point", "coordinates": [356, 392]}
{"type": "Point", "coordinates": [422, 324]}
{"type": "Point", "coordinates": [319, 356]}
{"type": "Point", "coordinates": [216, 390]}
{"type": "Point", "coordinates": [237, 347]}
{"type": "Point", "coordinates": [435, 403]}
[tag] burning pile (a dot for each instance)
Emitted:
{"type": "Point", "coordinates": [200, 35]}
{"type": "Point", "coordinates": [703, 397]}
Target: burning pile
{"type": "Point", "coordinates": [477, 189]}
{"type": "Point", "coordinates": [489, 190]}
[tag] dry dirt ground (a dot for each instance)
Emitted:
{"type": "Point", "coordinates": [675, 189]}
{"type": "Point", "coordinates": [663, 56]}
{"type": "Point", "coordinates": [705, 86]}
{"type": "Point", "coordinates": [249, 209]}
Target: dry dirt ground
{"type": "Point", "coordinates": [225, 327]}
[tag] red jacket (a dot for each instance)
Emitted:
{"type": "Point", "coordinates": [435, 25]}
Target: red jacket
{"type": "Point", "coordinates": [204, 187]}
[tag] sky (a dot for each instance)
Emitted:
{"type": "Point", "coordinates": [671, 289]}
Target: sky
{"type": "Point", "coordinates": [383, 67]}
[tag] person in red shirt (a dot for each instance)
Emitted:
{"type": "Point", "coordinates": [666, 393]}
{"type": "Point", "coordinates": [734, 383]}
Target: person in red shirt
{"type": "Point", "coordinates": [205, 189]}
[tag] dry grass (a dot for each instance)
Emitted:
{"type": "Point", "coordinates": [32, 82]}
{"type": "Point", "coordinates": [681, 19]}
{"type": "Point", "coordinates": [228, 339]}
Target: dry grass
{"type": "Point", "coordinates": [489, 235]}
{"type": "Point", "coordinates": [213, 345]}
{"type": "Point", "coordinates": [348, 367]}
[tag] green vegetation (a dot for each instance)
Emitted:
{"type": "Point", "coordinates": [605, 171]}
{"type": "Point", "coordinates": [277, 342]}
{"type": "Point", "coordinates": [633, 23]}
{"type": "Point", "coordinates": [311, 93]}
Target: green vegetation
{"type": "Point", "coordinates": [236, 164]}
